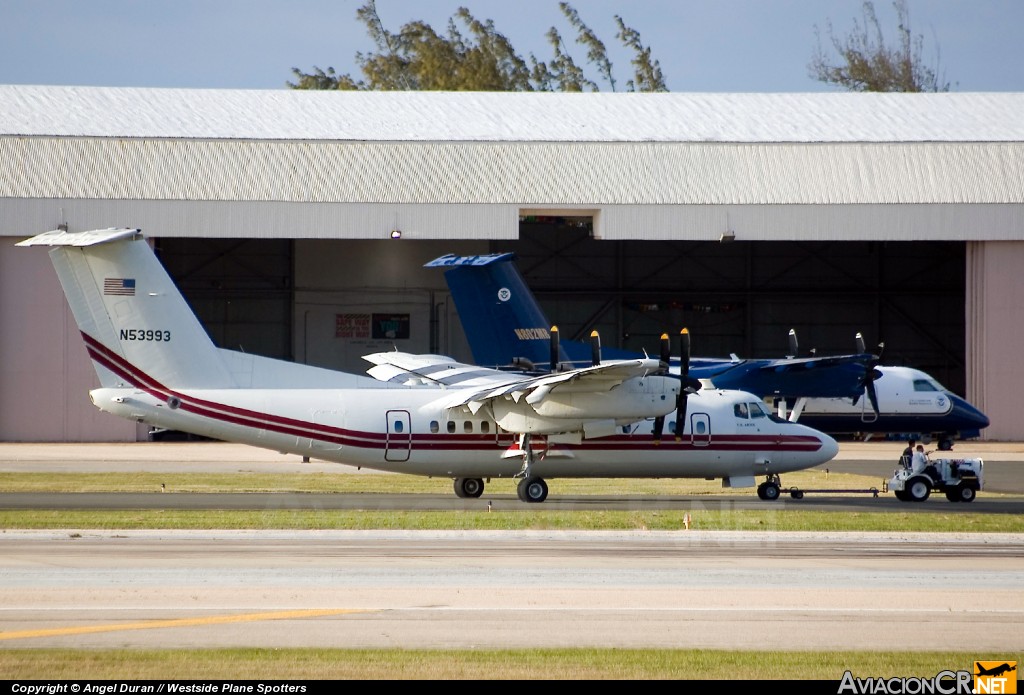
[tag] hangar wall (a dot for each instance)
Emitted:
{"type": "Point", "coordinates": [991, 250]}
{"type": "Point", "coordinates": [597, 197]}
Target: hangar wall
{"type": "Point", "coordinates": [45, 372]}
{"type": "Point", "coordinates": [995, 330]}
{"type": "Point", "coordinates": [247, 219]}
{"type": "Point", "coordinates": [845, 222]}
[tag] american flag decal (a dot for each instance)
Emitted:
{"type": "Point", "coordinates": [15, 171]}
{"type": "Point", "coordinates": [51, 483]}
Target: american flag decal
{"type": "Point", "coordinates": [120, 286]}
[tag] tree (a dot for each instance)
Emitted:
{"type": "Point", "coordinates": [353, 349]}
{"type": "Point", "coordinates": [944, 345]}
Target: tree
{"type": "Point", "coordinates": [868, 64]}
{"type": "Point", "coordinates": [479, 58]}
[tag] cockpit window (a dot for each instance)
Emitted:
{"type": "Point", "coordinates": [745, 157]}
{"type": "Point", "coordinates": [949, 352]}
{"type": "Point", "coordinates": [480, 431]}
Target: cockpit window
{"type": "Point", "coordinates": [756, 410]}
{"type": "Point", "coordinates": [740, 409]}
{"type": "Point", "coordinates": [925, 385]}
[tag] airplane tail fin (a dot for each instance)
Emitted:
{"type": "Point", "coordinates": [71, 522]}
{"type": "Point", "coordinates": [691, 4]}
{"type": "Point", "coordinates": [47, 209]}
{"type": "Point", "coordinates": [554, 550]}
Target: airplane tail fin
{"type": "Point", "coordinates": [138, 329]}
{"type": "Point", "coordinates": [502, 319]}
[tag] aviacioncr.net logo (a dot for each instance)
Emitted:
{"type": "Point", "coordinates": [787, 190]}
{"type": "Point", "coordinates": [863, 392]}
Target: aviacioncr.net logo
{"type": "Point", "coordinates": [995, 677]}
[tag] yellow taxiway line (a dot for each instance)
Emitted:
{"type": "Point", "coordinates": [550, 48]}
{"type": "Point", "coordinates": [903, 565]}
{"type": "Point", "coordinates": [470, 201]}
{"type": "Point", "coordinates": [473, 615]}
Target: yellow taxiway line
{"type": "Point", "coordinates": [177, 622]}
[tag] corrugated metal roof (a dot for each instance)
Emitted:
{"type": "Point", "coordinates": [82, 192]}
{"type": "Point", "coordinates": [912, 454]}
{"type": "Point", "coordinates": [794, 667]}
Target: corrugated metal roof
{"type": "Point", "coordinates": [512, 173]}
{"type": "Point", "coordinates": [509, 116]}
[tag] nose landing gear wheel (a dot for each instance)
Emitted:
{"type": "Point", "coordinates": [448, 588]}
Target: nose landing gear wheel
{"type": "Point", "coordinates": [768, 490]}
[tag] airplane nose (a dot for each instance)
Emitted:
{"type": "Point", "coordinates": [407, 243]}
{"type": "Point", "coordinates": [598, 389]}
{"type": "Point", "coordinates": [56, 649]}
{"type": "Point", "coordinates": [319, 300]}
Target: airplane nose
{"type": "Point", "coordinates": [829, 446]}
{"type": "Point", "coordinates": [970, 414]}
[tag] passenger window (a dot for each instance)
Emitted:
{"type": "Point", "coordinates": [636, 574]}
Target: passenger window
{"type": "Point", "coordinates": [740, 409]}
{"type": "Point", "coordinates": [451, 427]}
{"type": "Point", "coordinates": [467, 427]}
{"type": "Point", "coordinates": [700, 427]}
{"type": "Point", "coordinates": [398, 425]}
{"type": "Point", "coordinates": [434, 427]}
{"type": "Point", "coordinates": [485, 427]}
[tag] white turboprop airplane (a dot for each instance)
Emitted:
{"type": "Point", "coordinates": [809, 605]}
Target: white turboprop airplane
{"type": "Point", "coordinates": [157, 365]}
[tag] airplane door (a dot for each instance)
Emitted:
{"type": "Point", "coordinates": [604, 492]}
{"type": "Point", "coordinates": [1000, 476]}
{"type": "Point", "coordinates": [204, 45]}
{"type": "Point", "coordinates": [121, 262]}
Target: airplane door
{"type": "Point", "coordinates": [399, 438]}
{"type": "Point", "coordinates": [700, 429]}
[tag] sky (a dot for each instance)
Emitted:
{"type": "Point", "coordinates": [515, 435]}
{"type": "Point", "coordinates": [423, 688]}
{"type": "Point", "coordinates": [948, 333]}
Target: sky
{"type": "Point", "coordinates": [702, 45]}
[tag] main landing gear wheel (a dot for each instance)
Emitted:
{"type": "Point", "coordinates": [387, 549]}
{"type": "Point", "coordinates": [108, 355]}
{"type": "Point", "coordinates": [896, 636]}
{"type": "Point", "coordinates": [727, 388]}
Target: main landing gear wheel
{"type": "Point", "coordinates": [469, 487]}
{"type": "Point", "coordinates": [769, 490]}
{"type": "Point", "coordinates": [532, 489]}
{"type": "Point", "coordinates": [918, 489]}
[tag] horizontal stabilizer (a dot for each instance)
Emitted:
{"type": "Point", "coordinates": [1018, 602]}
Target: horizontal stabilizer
{"type": "Point", "coordinates": [451, 260]}
{"type": "Point", "coordinates": [60, 237]}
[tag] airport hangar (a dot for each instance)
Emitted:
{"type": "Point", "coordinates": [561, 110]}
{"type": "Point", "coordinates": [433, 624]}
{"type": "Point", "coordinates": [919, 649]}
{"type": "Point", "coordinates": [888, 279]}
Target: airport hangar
{"type": "Point", "coordinates": [739, 216]}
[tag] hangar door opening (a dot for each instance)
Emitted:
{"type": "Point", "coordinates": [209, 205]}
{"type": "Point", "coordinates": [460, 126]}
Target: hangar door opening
{"type": "Point", "coordinates": [241, 289]}
{"type": "Point", "coordinates": [743, 297]}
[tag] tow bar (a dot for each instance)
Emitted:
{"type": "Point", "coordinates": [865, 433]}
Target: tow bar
{"type": "Point", "coordinates": [798, 494]}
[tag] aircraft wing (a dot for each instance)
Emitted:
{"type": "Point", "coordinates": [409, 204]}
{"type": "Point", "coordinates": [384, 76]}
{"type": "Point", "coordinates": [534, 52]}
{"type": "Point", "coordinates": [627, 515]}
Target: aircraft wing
{"type": "Point", "coordinates": [792, 363]}
{"type": "Point", "coordinates": [599, 378]}
{"type": "Point", "coordinates": [474, 386]}
{"type": "Point", "coordinates": [434, 370]}
{"type": "Point", "coordinates": [839, 376]}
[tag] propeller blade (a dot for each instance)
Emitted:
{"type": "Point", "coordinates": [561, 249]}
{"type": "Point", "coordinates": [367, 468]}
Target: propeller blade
{"type": "Point", "coordinates": [595, 348]}
{"type": "Point", "coordinates": [659, 427]}
{"type": "Point", "coordinates": [872, 396]}
{"type": "Point", "coordinates": [680, 413]}
{"type": "Point", "coordinates": [871, 374]}
{"type": "Point", "coordinates": [684, 372]}
{"type": "Point", "coordinates": [665, 357]}
{"type": "Point", "coordinates": [684, 352]}
{"type": "Point", "coordinates": [554, 349]}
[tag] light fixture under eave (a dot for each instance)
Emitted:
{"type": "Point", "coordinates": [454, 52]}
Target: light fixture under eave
{"type": "Point", "coordinates": [396, 233]}
{"type": "Point", "coordinates": [727, 236]}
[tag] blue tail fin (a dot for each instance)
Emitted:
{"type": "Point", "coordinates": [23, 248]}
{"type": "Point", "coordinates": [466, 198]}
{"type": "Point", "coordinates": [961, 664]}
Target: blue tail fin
{"type": "Point", "coordinates": [503, 323]}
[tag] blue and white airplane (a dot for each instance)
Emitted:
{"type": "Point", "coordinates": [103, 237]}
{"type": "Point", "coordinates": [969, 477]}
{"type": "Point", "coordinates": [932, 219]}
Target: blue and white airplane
{"type": "Point", "coordinates": [845, 394]}
{"type": "Point", "coordinates": [156, 365]}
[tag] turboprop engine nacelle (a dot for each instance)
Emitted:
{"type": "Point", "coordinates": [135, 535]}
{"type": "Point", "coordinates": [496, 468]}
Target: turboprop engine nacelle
{"type": "Point", "coordinates": [564, 410]}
